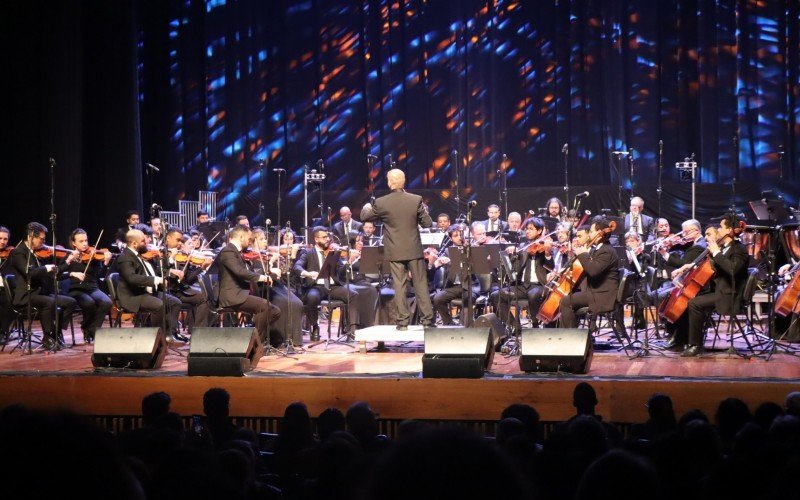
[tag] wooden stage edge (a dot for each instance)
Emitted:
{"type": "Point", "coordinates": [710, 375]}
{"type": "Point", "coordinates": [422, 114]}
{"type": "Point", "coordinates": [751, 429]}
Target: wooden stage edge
{"type": "Point", "coordinates": [393, 396]}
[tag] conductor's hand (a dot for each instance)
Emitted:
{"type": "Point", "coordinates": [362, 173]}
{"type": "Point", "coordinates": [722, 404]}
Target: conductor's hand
{"type": "Point", "coordinates": [367, 206]}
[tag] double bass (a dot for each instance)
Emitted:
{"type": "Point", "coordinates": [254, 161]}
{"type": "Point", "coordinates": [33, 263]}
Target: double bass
{"type": "Point", "coordinates": [566, 281]}
{"type": "Point", "coordinates": [787, 301]}
{"type": "Point", "coordinates": [695, 279]}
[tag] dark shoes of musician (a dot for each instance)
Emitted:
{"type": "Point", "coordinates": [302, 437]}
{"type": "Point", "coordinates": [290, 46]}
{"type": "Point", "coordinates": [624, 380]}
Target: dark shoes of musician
{"type": "Point", "coordinates": [432, 324]}
{"type": "Point", "coordinates": [314, 335]}
{"type": "Point", "coordinates": [60, 342]}
{"type": "Point", "coordinates": [179, 337]}
{"type": "Point", "coordinates": [692, 351]}
{"type": "Point", "coordinates": [381, 346]}
{"type": "Point", "coordinates": [402, 328]}
{"type": "Point", "coordinates": [88, 337]}
{"type": "Point", "coordinates": [673, 344]}
{"type": "Point", "coordinates": [49, 342]}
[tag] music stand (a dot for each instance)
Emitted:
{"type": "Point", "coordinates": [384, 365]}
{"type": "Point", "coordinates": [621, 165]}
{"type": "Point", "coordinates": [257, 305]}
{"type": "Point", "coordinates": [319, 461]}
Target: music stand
{"type": "Point", "coordinates": [550, 223]}
{"type": "Point", "coordinates": [773, 211]}
{"type": "Point", "coordinates": [373, 262]}
{"type": "Point", "coordinates": [432, 239]}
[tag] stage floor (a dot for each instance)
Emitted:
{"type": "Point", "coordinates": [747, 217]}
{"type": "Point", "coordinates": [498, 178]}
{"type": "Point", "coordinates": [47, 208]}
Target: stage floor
{"type": "Point", "coordinates": [338, 374]}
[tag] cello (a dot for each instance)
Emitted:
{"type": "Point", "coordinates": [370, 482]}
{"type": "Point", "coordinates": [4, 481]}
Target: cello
{"type": "Point", "coordinates": [787, 302]}
{"type": "Point", "coordinates": [695, 279]}
{"type": "Point", "coordinates": [566, 281]}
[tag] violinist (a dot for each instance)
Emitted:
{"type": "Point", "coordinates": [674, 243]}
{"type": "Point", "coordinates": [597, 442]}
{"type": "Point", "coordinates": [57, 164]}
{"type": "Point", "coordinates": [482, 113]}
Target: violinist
{"type": "Point", "coordinates": [183, 270]}
{"type": "Point", "coordinates": [514, 222]}
{"type": "Point", "coordinates": [138, 283]}
{"type": "Point", "coordinates": [28, 267]}
{"type": "Point", "coordinates": [5, 305]}
{"type": "Point", "coordinates": [601, 267]}
{"type": "Point", "coordinates": [562, 246]}
{"type": "Point", "coordinates": [729, 257]}
{"type": "Point", "coordinates": [287, 326]}
{"type": "Point", "coordinates": [84, 283]}
{"type": "Point", "coordinates": [457, 286]}
{"type": "Point", "coordinates": [479, 236]}
{"type": "Point", "coordinates": [316, 289]}
{"type": "Point", "coordinates": [157, 226]}
{"type": "Point", "coordinates": [529, 275]}
{"type": "Point", "coordinates": [235, 280]}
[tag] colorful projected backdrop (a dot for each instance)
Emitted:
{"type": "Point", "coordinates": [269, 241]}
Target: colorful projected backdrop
{"type": "Point", "coordinates": [297, 81]}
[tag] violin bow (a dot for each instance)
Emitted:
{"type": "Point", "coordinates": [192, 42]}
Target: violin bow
{"type": "Point", "coordinates": [94, 249]}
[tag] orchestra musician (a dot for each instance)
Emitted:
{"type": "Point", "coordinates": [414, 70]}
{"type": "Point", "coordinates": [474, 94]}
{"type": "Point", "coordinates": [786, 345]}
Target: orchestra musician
{"type": "Point", "coordinates": [131, 221]}
{"type": "Point", "coordinates": [401, 213]}
{"type": "Point", "coordinates": [641, 223]}
{"type": "Point", "coordinates": [637, 263]}
{"type": "Point", "coordinates": [183, 282]}
{"type": "Point", "coordinates": [601, 281]}
{"type": "Point", "coordinates": [729, 257]}
{"type": "Point", "coordinates": [27, 266]}
{"type": "Point", "coordinates": [5, 302]}
{"type": "Point", "coordinates": [494, 224]}
{"type": "Point", "coordinates": [345, 226]}
{"type": "Point", "coordinates": [563, 247]}
{"type": "Point", "coordinates": [84, 284]}
{"type": "Point", "coordinates": [316, 289]}
{"type": "Point", "coordinates": [235, 280]}
{"type": "Point", "coordinates": [157, 226]}
{"type": "Point", "coordinates": [479, 236]}
{"type": "Point", "coordinates": [456, 287]}
{"type": "Point", "coordinates": [442, 223]}
{"type": "Point", "coordinates": [555, 209]}
{"type": "Point", "coordinates": [138, 283]}
{"type": "Point", "coordinates": [370, 239]}
{"type": "Point", "coordinates": [514, 222]}
{"type": "Point", "coordinates": [529, 273]}
{"type": "Point", "coordinates": [242, 220]}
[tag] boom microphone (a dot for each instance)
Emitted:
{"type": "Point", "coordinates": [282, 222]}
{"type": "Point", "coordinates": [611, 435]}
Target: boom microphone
{"type": "Point", "coordinates": [150, 165]}
{"type": "Point", "coordinates": [584, 194]}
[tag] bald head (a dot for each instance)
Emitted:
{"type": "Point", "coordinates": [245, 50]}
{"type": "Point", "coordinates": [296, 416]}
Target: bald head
{"type": "Point", "coordinates": [133, 237]}
{"type": "Point", "coordinates": [396, 178]}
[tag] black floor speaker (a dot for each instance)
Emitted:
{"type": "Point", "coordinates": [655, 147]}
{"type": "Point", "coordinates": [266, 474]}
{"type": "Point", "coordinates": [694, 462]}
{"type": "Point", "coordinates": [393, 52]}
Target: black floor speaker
{"type": "Point", "coordinates": [224, 352]}
{"type": "Point", "coordinates": [556, 350]}
{"type": "Point", "coordinates": [137, 348]}
{"type": "Point", "coordinates": [492, 321]}
{"type": "Point", "coordinates": [457, 352]}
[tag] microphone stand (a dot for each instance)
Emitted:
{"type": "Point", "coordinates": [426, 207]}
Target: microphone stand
{"type": "Point", "coordinates": [279, 203]}
{"type": "Point", "coordinates": [502, 187]}
{"type": "Point", "coordinates": [465, 262]}
{"type": "Point", "coordinates": [620, 210]}
{"type": "Point", "coordinates": [659, 189]}
{"type": "Point", "coordinates": [565, 152]}
{"type": "Point", "coordinates": [56, 323]}
{"type": "Point", "coordinates": [164, 285]}
{"type": "Point", "coordinates": [458, 182]}
{"type": "Point", "coordinates": [630, 166]}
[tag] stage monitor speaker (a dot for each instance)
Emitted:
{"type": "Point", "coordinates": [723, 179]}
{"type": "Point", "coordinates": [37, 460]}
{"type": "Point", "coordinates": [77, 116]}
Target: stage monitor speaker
{"type": "Point", "coordinates": [457, 352]}
{"type": "Point", "coordinates": [492, 321]}
{"type": "Point", "coordinates": [223, 352]}
{"type": "Point", "coordinates": [136, 348]}
{"type": "Point", "coordinates": [555, 350]}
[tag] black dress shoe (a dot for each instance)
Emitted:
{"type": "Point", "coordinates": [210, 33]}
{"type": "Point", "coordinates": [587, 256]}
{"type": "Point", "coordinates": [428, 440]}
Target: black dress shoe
{"type": "Point", "coordinates": [60, 342]}
{"type": "Point", "coordinates": [314, 335]}
{"type": "Point", "coordinates": [671, 343]}
{"type": "Point", "coordinates": [177, 337]}
{"type": "Point", "coordinates": [692, 351]}
{"type": "Point", "coordinates": [402, 328]}
{"type": "Point", "coordinates": [433, 325]}
{"type": "Point", "coordinates": [48, 343]}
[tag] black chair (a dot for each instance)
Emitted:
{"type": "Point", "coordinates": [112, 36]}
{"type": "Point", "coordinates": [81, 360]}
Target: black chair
{"type": "Point", "coordinates": [331, 306]}
{"type": "Point", "coordinates": [21, 322]}
{"type": "Point", "coordinates": [139, 318]}
{"type": "Point", "coordinates": [220, 314]}
{"type": "Point", "coordinates": [614, 319]}
{"type": "Point", "coordinates": [737, 327]}
{"type": "Point", "coordinates": [480, 303]}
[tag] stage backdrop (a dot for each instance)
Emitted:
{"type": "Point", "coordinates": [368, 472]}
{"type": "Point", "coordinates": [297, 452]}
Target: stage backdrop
{"type": "Point", "coordinates": [203, 89]}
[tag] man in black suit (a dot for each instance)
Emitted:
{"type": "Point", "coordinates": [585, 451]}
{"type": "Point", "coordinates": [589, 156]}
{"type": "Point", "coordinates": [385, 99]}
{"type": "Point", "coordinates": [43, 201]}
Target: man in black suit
{"type": "Point", "coordinates": [5, 301]}
{"type": "Point", "coordinates": [84, 285]}
{"type": "Point", "coordinates": [345, 226]}
{"type": "Point", "coordinates": [27, 266]}
{"type": "Point", "coordinates": [494, 224]}
{"type": "Point", "coordinates": [361, 310]}
{"type": "Point", "coordinates": [138, 284]}
{"type": "Point", "coordinates": [601, 277]}
{"type": "Point", "coordinates": [235, 280]}
{"type": "Point", "coordinates": [529, 274]}
{"type": "Point", "coordinates": [641, 223]}
{"type": "Point", "coordinates": [455, 287]}
{"type": "Point", "coordinates": [131, 221]}
{"type": "Point", "coordinates": [370, 239]}
{"type": "Point", "coordinates": [401, 213]}
{"type": "Point", "coordinates": [183, 284]}
{"type": "Point", "coordinates": [729, 257]}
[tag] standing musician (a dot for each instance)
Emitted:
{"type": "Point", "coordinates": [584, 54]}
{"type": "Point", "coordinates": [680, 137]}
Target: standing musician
{"type": "Point", "coordinates": [315, 289]}
{"type": "Point", "coordinates": [5, 301]}
{"type": "Point", "coordinates": [138, 283]}
{"type": "Point", "coordinates": [84, 283]}
{"type": "Point", "coordinates": [235, 280]}
{"type": "Point", "coordinates": [636, 219]}
{"type": "Point", "coordinates": [183, 276]}
{"type": "Point", "coordinates": [401, 213]}
{"type": "Point", "coordinates": [494, 224]}
{"type": "Point", "coordinates": [529, 274]}
{"type": "Point", "coordinates": [454, 288]}
{"type": "Point", "coordinates": [287, 326]}
{"type": "Point", "coordinates": [729, 257]}
{"type": "Point", "coordinates": [601, 267]}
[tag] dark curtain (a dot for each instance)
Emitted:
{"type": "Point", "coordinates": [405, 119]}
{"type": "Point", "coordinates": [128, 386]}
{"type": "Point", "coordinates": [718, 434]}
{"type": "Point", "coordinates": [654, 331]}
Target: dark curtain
{"type": "Point", "coordinates": [70, 69]}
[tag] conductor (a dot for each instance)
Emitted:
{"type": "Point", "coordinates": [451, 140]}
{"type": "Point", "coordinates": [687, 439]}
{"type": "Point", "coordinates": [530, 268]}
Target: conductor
{"type": "Point", "coordinates": [400, 213]}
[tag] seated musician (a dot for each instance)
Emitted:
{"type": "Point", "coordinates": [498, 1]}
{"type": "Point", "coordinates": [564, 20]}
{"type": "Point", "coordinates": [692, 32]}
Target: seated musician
{"type": "Point", "coordinates": [455, 287]}
{"type": "Point", "coordinates": [729, 257]}
{"type": "Point", "coordinates": [131, 221]}
{"type": "Point", "coordinates": [442, 223]}
{"type": "Point", "coordinates": [288, 325]}
{"type": "Point", "coordinates": [42, 295]}
{"type": "Point", "coordinates": [316, 289]}
{"type": "Point", "coordinates": [365, 285]}
{"type": "Point", "coordinates": [514, 222]}
{"type": "Point", "coordinates": [157, 226]}
{"type": "Point", "coordinates": [183, 278]}
{"type": "Point", "coordinates": [479, 236]}
{"type": "Point", "coordinates": [680, 261]}
{"type": "Point", "coordinates": [84, 285]}
{"type": "Point", "coordinates": [138, 284]}
{"type": "Point", "coordinates": [562, 245]}
{"type": "Point", "coordinates": [5, 301]}
{"type": "Point", "coordinates": [242, 220]}
{"type": "Point", "coordinates": [235, 280]}
{"type": "Point", "coordinates": [494, 224]}
{"type": "Point", "coordinates": [637, 264]}
{"type": "Point", "coordinates": [601, 276]}
{"type": "Point", "coordinates": [370, 239]}
{"type": "Point", "coordinates": [345, 226]}
{"type": "Point", "coordinates": [555, 209]}
{"type": "Point", "coordinates": [529, 273]}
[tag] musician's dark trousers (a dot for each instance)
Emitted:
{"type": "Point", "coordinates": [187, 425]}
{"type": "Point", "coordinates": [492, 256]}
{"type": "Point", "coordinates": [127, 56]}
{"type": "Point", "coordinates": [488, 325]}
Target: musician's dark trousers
{"type": "Point", "coordinates": [288, 325]}
{"type": "Point", "coordinates": [314, 295]}
{"type": "Point", "coordinates": [154, 305]}
{"type": "Point", "coordinates": [200, 313]}
{"type": "Point", "coordinates": [697, 310]}
{"type": "Point", "coordinates": [569, 305]}
{"type": "Point", "coordinates": [47, 308]}
{"type": "Point", "coordinates": [419, 278]}
{"type": "Point", "coordinates": [534, 293]}
{"type": "Point", "coordinates": [94, 307]}
{"type": "Point", "coordinates": [441, 302]}
{"type": "Point", "coordinates": [264, 314]}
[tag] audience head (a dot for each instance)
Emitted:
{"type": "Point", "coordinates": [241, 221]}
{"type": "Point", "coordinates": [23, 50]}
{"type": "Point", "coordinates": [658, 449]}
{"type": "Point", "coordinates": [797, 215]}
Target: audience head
{"type": "Point", "coordinates": [584, 398]}
{"type": "Point", "coordinates": [155, 405]}
{"type": "Point", "coordinates": [216, 403]}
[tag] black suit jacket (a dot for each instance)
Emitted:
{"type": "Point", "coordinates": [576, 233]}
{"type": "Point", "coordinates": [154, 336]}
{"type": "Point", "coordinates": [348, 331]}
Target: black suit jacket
{"type": "Point", "coordinates": [338, 230]}
{"type": "Point", "coordinates": [400, 213]}
{"type": "Point", "coordinates": [648, 225]}
{"type": "Point", "coordinates": [677, 260]}
{"type": "Point", "coordinates": [503, 224]}
{"type": "Point", "coordinates": [540, 261]}
{"type": "Point", "coordinates": [133, 280]}
{"type": "Point", "coordinates": [601, 281]}
{"type": "Point", "coordinates": [234, 277]}
{"type": "Point", "coordinates": [730, 276]}
{"type": "Point", "coordinates": [22, 264]}
{"type": "Point", "coordinates": [308, 261]}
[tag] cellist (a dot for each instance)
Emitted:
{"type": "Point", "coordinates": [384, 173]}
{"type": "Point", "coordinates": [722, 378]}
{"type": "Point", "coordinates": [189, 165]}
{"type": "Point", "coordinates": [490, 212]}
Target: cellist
{"type": "Point", "coordinates": [729, 257]}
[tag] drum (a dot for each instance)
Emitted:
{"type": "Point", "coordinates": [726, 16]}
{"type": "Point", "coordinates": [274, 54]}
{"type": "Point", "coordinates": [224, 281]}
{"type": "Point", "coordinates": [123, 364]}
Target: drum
{"type": "Point", "coordinates": [790, 238]}
{"type": "Point", "coordinates": [756, 239]}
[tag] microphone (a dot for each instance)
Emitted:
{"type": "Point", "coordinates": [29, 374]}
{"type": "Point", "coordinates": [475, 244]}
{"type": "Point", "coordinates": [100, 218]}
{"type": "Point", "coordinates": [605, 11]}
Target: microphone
{"type": "Point", "coordinates": [565, 148]}
{"type": "Point", "coordinates": [505, 157]}
{"type": "Point", "coordinates": [584, 194]}
{"type": "Point", "coordinates": [288, 224]}
{"type": "Point", "coordinates": [267, 222]}
{"type": "Point", "coordinates": [52, 162]}
{"type": "Point", "coordinates": [622, 153]}
{"type": "Point", "coordinates": [472, 204]}
{"type": "Point", "coordinates": [372, 157]}
{"type": "Point", "coordinates": [630, 152]}
{"type": "Point", "coordinates": [279, 170]}
{"type": "Point", "coordinates": [153, 167]}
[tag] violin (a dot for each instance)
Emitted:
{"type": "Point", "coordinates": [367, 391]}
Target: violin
{"type": "Point", "coordinates": [100, 254]}
{"type": "Point", "coordinates": [194, 258]}
{"type": "Point", "coordinates": [46, 251]}
{"type": "Point", "coordinates": [152, 253]}
{"type": "Point", "coordinates": [253, 256]}
{"type": "Point", "coordinates": [4, 253]}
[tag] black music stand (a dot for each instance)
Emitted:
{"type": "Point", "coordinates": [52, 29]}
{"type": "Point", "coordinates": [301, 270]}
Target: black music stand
{"type": "Point", "coordinates": [373, 262]}
{"type": "Point", "coordinates": [550, 223]}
